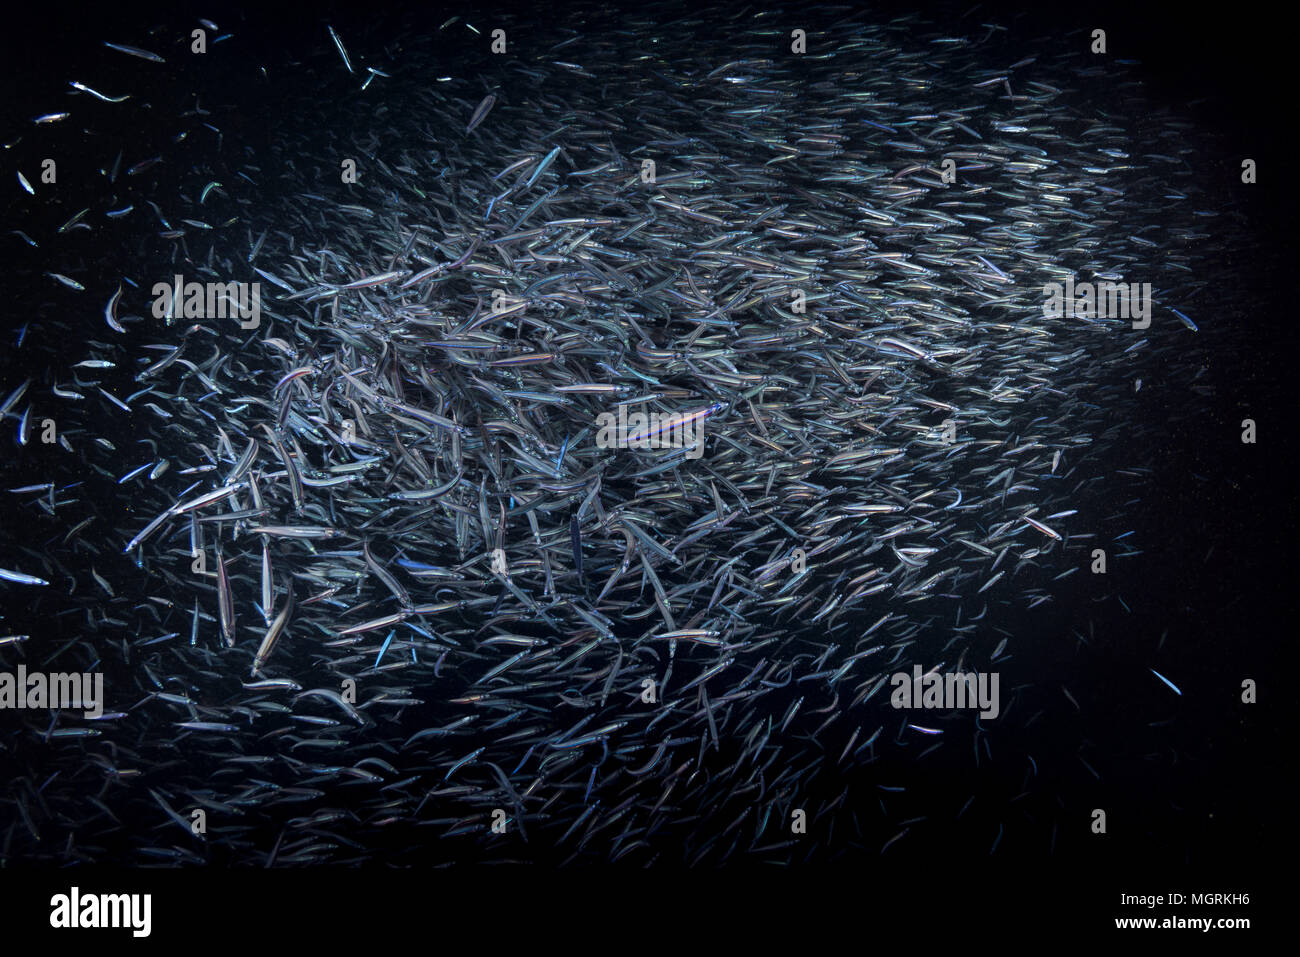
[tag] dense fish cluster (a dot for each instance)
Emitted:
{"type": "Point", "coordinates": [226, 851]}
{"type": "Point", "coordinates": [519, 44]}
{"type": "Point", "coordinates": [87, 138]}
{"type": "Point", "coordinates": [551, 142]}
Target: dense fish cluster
{"type": "Point", "coordinates": [368, 579]}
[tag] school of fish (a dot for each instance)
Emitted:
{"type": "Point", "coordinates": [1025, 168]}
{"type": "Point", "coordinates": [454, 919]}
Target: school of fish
{"type": "Point", "coordinates": [362, 581]}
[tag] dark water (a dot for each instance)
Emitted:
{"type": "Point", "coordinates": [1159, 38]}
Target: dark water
{"type": "Point", "coordinates": [1201, 590]}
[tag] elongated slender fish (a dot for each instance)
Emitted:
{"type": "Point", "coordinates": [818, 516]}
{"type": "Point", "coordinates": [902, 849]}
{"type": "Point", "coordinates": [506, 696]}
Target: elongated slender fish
{"type": "Point", "coordinates": [342, 52]}
{"type": "Point", "coordinates": [135, 52]}
{"type": "Point", "coordinates": [480, 112]}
